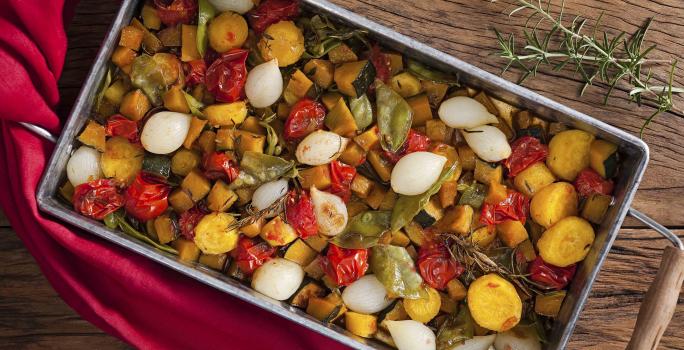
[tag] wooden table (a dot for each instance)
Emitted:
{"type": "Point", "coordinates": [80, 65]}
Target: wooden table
{"type": "Point", "coordinates": [30, 313]}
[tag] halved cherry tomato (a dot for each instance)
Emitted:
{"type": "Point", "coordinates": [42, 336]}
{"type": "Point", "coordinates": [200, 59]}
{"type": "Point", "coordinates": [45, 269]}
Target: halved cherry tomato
{"type": "Point", "coordinates": [436, 265]}
{"type": "Point", "coordinates": [588, 182]}
{"type": "Point", "coordinates": [300, 214]}
{"type": "Point", "coordinates": [553, 277]}
{"type": "Point", "coordinates": [195, 72]}
{"type": "Point", "coordinates": [381, 62]}
{"type": "Point", "coordinates": [514, 207]}
{"type": "Point", "coordinates": [272, 11]}
{"type": "Point", "coordinates": [219, 165]}
{"type": "Point", "coordinates": [98, 198]}
{"type": "Point", "coordinates": [345, 266]}
{"type": "Point", "coordinates": [172, 12]}
{"type": "Point", "coordinates": [250, 254]}
{"type": "Point", "coordinates": [525, 151]}
{"type": "Point", "coordinates": [341, 176]}
{"type": "Point", "coordinates": [226, 77]}
{"type": "Point", "coordinates": [190, 218]}
{"type": "Point", "coordinates": [306, 116]}
{"type": "Point", "coordinates": [415, 142]}
{"type": "Point", "coordinates": [147, 197]}
{"type": "Point", "coordinates": [118, 125]}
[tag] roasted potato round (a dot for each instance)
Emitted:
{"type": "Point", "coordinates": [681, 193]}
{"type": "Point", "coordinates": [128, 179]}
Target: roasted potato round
{"type": "Point", "coordinates": [569, 153]}
{"type": "Point", "coordinates": [227, 31]}
{"type": "Point", "coordinates": [283, 41]}
{"type": "Point", "coordinates": [213, 236]}
{"type": "Point", "coordinates": [567, 242]}
{"type": "Point", "coordinates": [554, 202]}
{"type": "Point", "coordinates": [424, 309]}
{"type": "Point", "coordinates": [533, 179]}
{"type": "Point", "coordinates": [121, 159]}
{"type": "Point", "coordinates": [494, 303]}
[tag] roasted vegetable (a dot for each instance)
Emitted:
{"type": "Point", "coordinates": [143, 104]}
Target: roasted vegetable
{"type": "Point", "coordinates": [184, 161]}
{"type": "Point", "coordinates": [213, 234]}
{"type": "Point", "coordinates": [187, 250]}
{"type": "Point", "coordinates": [278, 233]}
{"type": "Point", "coordinates": [121, 159]}
{"type": "Point", "coordinates": [457, 219]}
{"type": "Point", "coordinates": [326, 309]}
{"type": "Point", "coordinates": [553, 203]}
{"type": "Point", "coordinates": [603, 158]}
{"type": "Point", "coordinates": [93, 135]}
{"type": "Point", "coordinates": [157, 164]}
{"type": "Point", "coordinates": [533, 179]}
{"type": "Point", "coordinates": [486, 173]}
{"type": "Point", "coordinates": [226, 114]}
{"type": "Point", "coordinates": [422, 112]}
{"type": "Point", "coordinates": [342, 54]}
{"type": "Point", "coordinates": [221, 197]}
{"type": "Point", "coordinates": [354, 78]}
{"type": "Point", "coordinates": [301, 253]}
{"type": "Point", "coordinates": [134, 105]}
{"type": "Point", "coordinates": [308, 291]}
{"type": "Point", "coordinates": [511, 232]}
{"type": "Point", "coordinates": [494, 303]}
{"type": "Point", "coordinates": [424, 308]}
{"type": "Point", "coordinates": [549, 304]}
{"type": "Point", "coordinates": [340, 120]}
{"type": "Point", "coordinates": [297, 88]}
{"type": "Point", "coordinates": [321, 71]}
{"type": "Point", "coordinates": [283, 41]}
{"type": "Point", "coordinates": [196, 185]}
{"type": "Point", "coordinates": [227, 31]}
{"type": "Point", "coordinates": [406, 84]}
{"type": "Point", "coordinates": [595, 207]}
{"type": "Point", "coordinates": [569, 153]}
{"type": "Point", "coordinates": [566, 242]}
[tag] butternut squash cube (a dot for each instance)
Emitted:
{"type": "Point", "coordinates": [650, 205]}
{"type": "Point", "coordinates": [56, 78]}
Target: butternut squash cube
{"type": "Point", "coordinates": [131, 37]}
{"type": "Point", "coordinates": [422, 112]}
{"type": "Point", "coordinates": [150, 17]}
{"type": "Point", "coordinates": [369, 139]}
{"type": "Point", "coordinates": [361, 186]}
{"type": "Point", "coordinates": [196, 127]}
{"type": "Point", "coordinates": [196, 185]}
{"type": "Point", "coordinates": [486, 173]}
{"type": "Point", "coordinates": [297, 87]}
{"type": "Point", "coordinates": [318, 176]}
{"type": "Point", "coordinates": [340, 120]}
{"type": "Point", "coordinates": [187, 250]}
{"type": "Point", "coordinates": [123, 57]}
{"type": "Point", "coordinates": [226, 114]}
{"type": "Point", "coordinates": [180, 200]}
{"type": "Point", "coordinates": [457, 219]}
{"type": "Point", "coordinates": [174, 100]}
{"type": "Point", "coordinates": [252, 230]}
{"type": "Point", "coordinates": [330, 99]}
{"type": "Point", "coordinates": [278, 233]}
{"type": "Point", "coordinates": [533, 179]}
{"type": "Point", "coordinates": [353, 155]}
{"type": "Point", "coordinates": [321, 71]}
{"type": "Point", "coordinates": [512, 233]}
{"type": "Point", "coordinates": [135, 105]}
{"type": "Point", "coordinates": [221, 197]}
{"type": "Point", "coordinates": [93, 135]}
{"type": "Point", "coordinates": [300, 253]}
{"type": "Point", "coordinates": [406, 84]}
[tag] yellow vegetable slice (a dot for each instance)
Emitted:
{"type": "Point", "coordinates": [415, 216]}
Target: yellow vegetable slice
{"type": "Point", "coordinates": [283, 41]}
{"type": "Point", "coordinates": [213, 234]}
{"type": "Point", "coordinates": [569, 153]}
{"type": "Point", "coordinates": [567, 242]}
{"type": "Point", "coordinates": [425, 308]}
{"type": "Point", "coordinates": [553, 203]}
{"type": "Point", "coordinates": [494, 303]}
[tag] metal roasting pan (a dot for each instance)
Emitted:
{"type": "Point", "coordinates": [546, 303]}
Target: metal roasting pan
{"type": "Point", "coordinates": [633, 151]}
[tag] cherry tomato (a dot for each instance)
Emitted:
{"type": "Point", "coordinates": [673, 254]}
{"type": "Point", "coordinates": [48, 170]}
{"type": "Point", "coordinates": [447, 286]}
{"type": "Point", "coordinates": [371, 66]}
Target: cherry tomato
{"type": "Point", "coordinates": [118, 125]}
{"type": "Point", "coordinates": [300, 214]}
{"type": "Point", "coordinates": [514, 207]}
{"type": "Point", "coordinates": [306, 116]}
{"type": "Point", "coordinates": [172, 12]}
{"type": "Point", "coordinates": [219, 165]}
{"type": "Point", "coordinates": [549, 275]}
{"type": "Point", "coordinates": [272, 11]}
{"type": "Point", "coordinates": [250, 254]}
{"type": "Point", "coordinates": [525, 151]}
{"type": "Point", "coordinates": [381, 62]}
{"type": "Point", "coordinates": [190, 218]}
{"type": "Point", "coordinates": [147, 197]}
{"type": "Point", "coordinates": [436, 265]}
{"type": "Point", "coordinates": [98, 198]}
{"type": "Point", "coordinates": [345, 266]}
{"type": "Point", "coordinates": [588, 182]}
{"type": "Point", "coordinates": [226, 77]}
{"type": "Point", "coordinates": [195, 71]}
{"type": "Point", "coordinates": [342, 176]}
{"type": "Point", "coordinates": [415, 142]}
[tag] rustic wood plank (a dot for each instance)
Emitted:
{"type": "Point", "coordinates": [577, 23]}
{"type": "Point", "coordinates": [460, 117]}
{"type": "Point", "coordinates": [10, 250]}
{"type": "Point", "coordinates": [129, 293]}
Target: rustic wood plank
{"type": "Point", "coordinates": [4, 222]}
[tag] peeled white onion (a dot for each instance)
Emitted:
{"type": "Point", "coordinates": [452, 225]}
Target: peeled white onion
{"type": "Point", "coordinates": [278, 278]}
{"type": "Point", "coordinates": [462, 112]}
{"type": "Point", "coordinates": [320, 147]}
{"type": "Point", "coordinates": [366, 295]}
{"type": "Point", "coordinates": [416, 172]}
{"type": "Point", "coordinates": [477, 343]}
{"type": "Point", "coordinates": [239, 6]}
{"type": "Point", "coordinates": [518, 338]}
{"type": "Point", "coordinates": [411, 335]}
{"type": "Point", "coordinates": [488, 142]}
{"type": "Point", "coordinates": [165, 132]}
{"type": "Point", "coordinates": [331, 212]}
{"type": "Point", "coordinates": [268, 193]}
{"type": "Point", "coordinates": [83, 166]}
{"type": "Point", "coordinates": [264, 84]}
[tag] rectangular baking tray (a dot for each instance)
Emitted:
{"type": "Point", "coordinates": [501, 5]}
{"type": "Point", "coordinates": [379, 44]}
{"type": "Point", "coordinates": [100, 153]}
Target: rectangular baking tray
{"type": "Point", "coordinates": [634, 156]}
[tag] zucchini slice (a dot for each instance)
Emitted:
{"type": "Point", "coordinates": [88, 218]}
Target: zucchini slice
{"type": "Point", "coordinates": [159, 165]}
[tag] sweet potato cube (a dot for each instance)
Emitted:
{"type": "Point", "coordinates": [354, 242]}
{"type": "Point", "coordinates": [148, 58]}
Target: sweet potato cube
{"type": "Point", "coordinates": [131, 37]}
{"type": "Point", "coordinates": [135, 105]}
{"type": "Point", "coordinates": [196, 185]}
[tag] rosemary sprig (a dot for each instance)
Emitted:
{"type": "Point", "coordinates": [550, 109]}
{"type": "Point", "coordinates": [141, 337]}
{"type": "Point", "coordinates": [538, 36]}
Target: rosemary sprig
{"type": "Point", "coordinates": [254, 215]}
{"type": "Point", "coordinates": [595, 56]}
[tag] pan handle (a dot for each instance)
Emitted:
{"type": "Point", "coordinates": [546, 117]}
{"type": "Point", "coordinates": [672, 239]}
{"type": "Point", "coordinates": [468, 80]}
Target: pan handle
{"type": "Point", "coordinates": [660, 301]}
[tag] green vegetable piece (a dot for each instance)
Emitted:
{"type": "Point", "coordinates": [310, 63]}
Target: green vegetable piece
{"type": "Point", "coordinates": [149, 77]}
{"type": "Point", "coordinates": [611, 165]}
{"type": "Point", "coordinates": [206, 13]}
{"type": "Point", "coordinates": [407, 207]}
{"type": "Point", "coordinates": [425, 73]}
{"type": "Point", "coordinates": [321, 36]}
{"type": "Point", "coordinates": [473, 194]}
{"type": "Point", "coordinates": [394, 268]}
{"type": "Point", "coordinates": [157, 164]}
{"type": "Point", "coordinates": [362, 111]}
{"type": "Point", "coordinates": [117, 219]}
{"type": "Point", "coordinates": [364, 230]}
{"type": "Point", "coordinates": [456, 330]}
{"type": "Point", "coordinates": [263, 167]}
{"type": "Point", "coordinates": [273, 148]}
{"type": "Point", "coordinates": [194, 105]}
{"type": "Point", "coordinates": [394, 117]}
{"type": "Point", "coordinates": [105, 84]}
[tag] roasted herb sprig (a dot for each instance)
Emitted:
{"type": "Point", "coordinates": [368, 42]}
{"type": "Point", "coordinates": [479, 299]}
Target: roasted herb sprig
{"type": "Point", "coordinates": [595, 55]}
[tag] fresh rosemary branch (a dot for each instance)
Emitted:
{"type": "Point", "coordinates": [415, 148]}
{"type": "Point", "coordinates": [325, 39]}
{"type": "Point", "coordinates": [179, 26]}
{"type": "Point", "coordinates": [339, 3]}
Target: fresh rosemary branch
{"type": "Point", "coordinates": [595, 56]}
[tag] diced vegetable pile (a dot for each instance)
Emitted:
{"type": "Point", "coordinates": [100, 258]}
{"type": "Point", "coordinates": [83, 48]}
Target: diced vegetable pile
{"type": "Point", "coordinates": [298, 156]}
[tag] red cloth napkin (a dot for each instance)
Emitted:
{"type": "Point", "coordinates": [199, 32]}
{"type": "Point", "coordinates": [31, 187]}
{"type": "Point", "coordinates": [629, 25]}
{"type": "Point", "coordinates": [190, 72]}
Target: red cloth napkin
{"type": "Point", "coordinates": [126, 295]}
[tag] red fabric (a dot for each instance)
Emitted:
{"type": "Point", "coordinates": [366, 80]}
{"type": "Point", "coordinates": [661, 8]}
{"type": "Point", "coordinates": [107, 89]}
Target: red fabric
{"type": "Point", "coordinates": [139, 301]}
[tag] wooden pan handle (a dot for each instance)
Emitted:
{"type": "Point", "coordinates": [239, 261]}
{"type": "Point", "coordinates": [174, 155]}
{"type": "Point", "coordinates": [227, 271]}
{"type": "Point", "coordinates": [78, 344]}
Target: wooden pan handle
{"type": "Point", "coordinates": [660, 302]}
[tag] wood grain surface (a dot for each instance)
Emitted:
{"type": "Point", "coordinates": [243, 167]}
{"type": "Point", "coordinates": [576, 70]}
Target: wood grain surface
{"type": "Point", "coordinates": [31, 315]}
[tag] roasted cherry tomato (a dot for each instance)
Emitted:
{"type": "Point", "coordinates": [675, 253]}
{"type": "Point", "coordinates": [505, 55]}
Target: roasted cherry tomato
{"type": "Point", "coordinates": [553, 277]}
{"type": "Point", "coordinates": [173, 12]}
{"type": "Point", "coordinates": [341, 176]}
{"type": "Point", "coordinates": [514, 207]}
{"type": "Point", "coordinates": [300, 214]}
{"type": "Point", "coordinates": [588, 182]}
{"type": "Point", "coordinates": [195, 71]}
{"type": "Point", "coordinates": [306, 116]}
{"type": "Point", "coordinates": [272, 11]}
{"type": "Point", "coordinates": [219, 165]}
{"type": "Point", "coordinates": [345, 266]}
{"type": "Point", "coordinates": [118, 125]}
{"type": "Point", "coordinates": [98, 198]}
{"type": "Point", "coordinates": [525, 151]}
{"type": "Point", "coordinates": [190, 218]}
{"type": "Point", "coordinates": [436, 265]}
{"type": "Point", "coordinates": [147, 197]}
{"type": "Point", "coordinates": [226, 77]}
{"type": "Point", "coordinates": [250, 254]}
{"type": "Point", "coordinates": [381, 62]}
{"type": "Point", "coordinates": [415, 142]}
